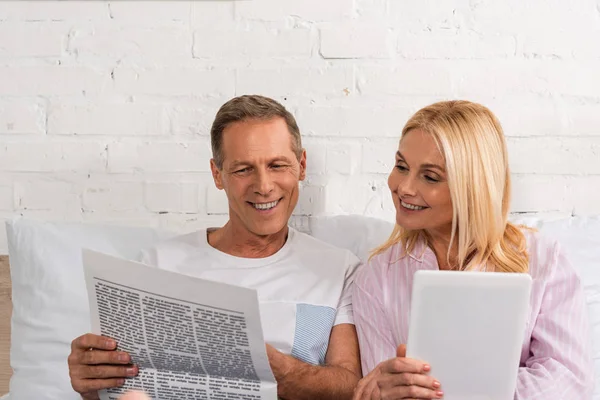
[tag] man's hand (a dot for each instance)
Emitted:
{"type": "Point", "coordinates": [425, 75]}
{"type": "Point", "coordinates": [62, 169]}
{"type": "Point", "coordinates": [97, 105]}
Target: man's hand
{"type": "Point", "coordinates": [398, 378]}
{"type": "Point", "coordinates": [94, 364]}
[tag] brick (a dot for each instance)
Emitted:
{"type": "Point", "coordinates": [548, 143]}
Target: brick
{"type": "Point", "coordinates": [7, 197]}
{"type": "Point", "coordinates": [544, 115]}
{"type": "Point", "coordinates": [582, 119]}
{"type": "Point", "coordinates": [166, 45]}
{"type": "Point", "coordinates": [573, 78]}
{"type": "Point", "coordinates": [51, 80]}
{"type": "Point", "coordinates": [99, 118]}
{"type": "Point", "coordinates": [585, 195]}
{"type": "Point", "coordinates": [560, 156]}
{"type": "Point", "coordinates": [172, 81]}
{"type": "Point", "coordinates": [409, 78]}
{"type": "Point", "coordinates": [35, 39]}
{"type": "Point", "coordinates": [316, 156]}
{"type": "Point", "coordinates": [356, 122]}
{"type": "Point", "coordinates": [159, 157]}
{"type": "Point", "coordinates": [113, 196]}
{"type": "Point", "coordinates": [192, 119]}
{"type": "Point", "coordinates": [531, 193]}
{"type": "Point", "coordinates": [205, 13]}
{"type": "Point", "coordinates": [311, 200]}
{"type": "Point", "coordinates": [252, 43]}
{"type": "Point", "coordinates": [216, 201]}
{"type": "Point", "coordinates": [311, 10]}
{"type": "Point", "coordinates": [487, 78]}
{"type": "Point", "coordinates": [22, 117]}
{"type": "Point", "coordinates": [428, 14]}
{"type": "Point", "coordinates": [52, 157]}
{"type": "Point", "coordinates": [378, 156]}
{"type": "Point", "coordinates": [79, 10]}
{"type": "Point", "coordinates": [344, 158]}
{"type": "Point", "coordinates": [565, 43]}
{"type": "Point", "coordinates": [172, 197]}
{"type": "Point", "coordinates": [359, 194]}
{"type": "Point", "coordinates": [154, 12]}
{"type": "Point", "coordinates": [517, 16]}
{"type": "Point", "coordinates": [348, 42]}
{"type": "Point", "coordinates": [296, 82]}
{"type": "Point", "coordinates": [54, 196]}
{"type": "Point", "coordinates": [446, 44]}
{"type": "Point", "coordinates": [370, 10]}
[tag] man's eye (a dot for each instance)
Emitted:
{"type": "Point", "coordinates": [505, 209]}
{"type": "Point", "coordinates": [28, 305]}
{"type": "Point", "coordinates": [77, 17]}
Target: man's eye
{"type": "Point", "coordinates": [241, 171]}
{"type": "Point", "coordinates": [277, 166]}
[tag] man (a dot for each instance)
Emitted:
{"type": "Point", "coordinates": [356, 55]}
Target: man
{"type": "Point", "coordinates": [303, 284]}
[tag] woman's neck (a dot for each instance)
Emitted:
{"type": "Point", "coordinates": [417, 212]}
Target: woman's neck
{"type": "Point", "coordinates": [439, 241]}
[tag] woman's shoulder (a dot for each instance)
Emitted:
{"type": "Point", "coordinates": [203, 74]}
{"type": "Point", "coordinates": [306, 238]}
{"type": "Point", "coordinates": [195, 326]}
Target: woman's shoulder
{"type": "Point", "coordinates": [377, 266]}
{"type": "Point", "coordinates": [543, 252]}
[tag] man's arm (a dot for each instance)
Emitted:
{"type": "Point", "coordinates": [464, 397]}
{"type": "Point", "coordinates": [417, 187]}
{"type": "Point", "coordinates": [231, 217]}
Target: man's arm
{"type": "Point", "coordinates": [336, 380]}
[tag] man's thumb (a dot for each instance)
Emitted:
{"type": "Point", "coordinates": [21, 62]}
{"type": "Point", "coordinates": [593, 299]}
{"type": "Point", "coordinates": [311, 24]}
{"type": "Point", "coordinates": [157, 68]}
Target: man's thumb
{"type": "Point", "coordinates": [401, 351]}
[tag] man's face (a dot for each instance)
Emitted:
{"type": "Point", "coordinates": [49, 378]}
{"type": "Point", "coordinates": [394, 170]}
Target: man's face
{"type": "Point", "coordinates": [260, 175]}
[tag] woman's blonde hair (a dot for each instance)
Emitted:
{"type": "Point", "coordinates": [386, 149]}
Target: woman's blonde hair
{"type": "Point", "coordinates": [471, 140]}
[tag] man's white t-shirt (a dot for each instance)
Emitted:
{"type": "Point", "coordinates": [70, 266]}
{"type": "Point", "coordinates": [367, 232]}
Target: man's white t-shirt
{"type": "Point", "coordinates": [304, 289]}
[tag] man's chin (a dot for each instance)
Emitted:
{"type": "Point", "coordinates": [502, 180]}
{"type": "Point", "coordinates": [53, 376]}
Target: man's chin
{"type": "Point", "coordinates": [267, 229]}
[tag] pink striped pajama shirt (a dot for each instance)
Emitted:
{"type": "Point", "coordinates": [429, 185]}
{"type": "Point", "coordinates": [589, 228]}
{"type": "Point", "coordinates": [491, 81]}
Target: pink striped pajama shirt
{"type": "Point", "coordinates": [556, 353]}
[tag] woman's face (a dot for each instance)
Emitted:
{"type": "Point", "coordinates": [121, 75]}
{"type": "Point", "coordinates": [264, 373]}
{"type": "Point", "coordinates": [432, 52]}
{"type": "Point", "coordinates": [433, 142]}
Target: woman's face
{"type": "Point", "coordinates": [419, 185]}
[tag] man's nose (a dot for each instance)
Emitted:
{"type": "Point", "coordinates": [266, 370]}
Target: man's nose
{"type": "Point", "coordinates": [264, 183]}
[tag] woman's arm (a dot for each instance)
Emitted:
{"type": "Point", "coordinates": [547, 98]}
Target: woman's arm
{"type": "Point", "coordinates": [560, 365]}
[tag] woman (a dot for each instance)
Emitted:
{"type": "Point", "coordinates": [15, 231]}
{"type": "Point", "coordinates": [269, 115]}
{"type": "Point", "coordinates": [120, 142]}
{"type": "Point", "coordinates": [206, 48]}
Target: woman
{"type": "Point", "coordinates": [451, 189]}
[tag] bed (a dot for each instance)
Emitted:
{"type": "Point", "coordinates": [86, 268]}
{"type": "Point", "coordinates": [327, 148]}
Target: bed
{"type": "Point", "coordinates": [5, 312]}
{"type": "Point", "coordinates": [51, 303]}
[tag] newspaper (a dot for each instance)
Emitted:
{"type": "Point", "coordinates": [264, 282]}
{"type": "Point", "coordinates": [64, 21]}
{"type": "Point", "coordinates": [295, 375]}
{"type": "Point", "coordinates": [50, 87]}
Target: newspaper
{"type": "Point", "coordinates": [192, 338]}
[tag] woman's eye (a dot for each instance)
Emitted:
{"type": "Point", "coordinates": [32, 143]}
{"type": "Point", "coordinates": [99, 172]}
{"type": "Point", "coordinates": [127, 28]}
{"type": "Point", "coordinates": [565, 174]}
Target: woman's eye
{"type": "Point", "coordinates": [401, 168]}
{"type": "Point", "coordinates": [431, 178]}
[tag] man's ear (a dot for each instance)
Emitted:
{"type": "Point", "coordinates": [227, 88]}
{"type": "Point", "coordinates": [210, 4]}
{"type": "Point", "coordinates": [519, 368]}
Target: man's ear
{"type": "Point", "coordinates": [216, 174]}
{"type": "Point", "coordinates": [302, 166]}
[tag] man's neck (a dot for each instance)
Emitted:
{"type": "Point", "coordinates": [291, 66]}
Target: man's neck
{"type": "Point", "coordinates": [239, 242]}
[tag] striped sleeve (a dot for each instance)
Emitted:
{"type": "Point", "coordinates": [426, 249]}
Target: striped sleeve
{"type": "Point", "coordinates": [560, 365]}
{"type": "Point", "coordinates": [372, 325]}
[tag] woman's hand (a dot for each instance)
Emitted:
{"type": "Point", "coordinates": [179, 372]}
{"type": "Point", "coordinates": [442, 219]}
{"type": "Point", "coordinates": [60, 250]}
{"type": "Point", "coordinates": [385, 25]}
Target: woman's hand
{"type": "Point", "coordinates": [134, 396]}
{"type": "Point", "coordinates": [398, 378]}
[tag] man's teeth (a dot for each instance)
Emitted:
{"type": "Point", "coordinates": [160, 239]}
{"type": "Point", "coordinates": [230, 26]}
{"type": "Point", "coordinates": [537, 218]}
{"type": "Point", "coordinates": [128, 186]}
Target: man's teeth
{"type": "Point", "coordinates": [410, 206]}
{"type": "Point", "coordinates": [265, 206]}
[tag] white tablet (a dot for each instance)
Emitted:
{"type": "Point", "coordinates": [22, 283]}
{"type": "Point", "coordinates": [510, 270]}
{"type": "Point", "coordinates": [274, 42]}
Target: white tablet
{"type": "Point", "coordinates": [470, 326]}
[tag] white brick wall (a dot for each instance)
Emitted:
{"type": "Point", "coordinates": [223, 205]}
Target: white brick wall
{"type": "Point", "coordinates": [105, 109]}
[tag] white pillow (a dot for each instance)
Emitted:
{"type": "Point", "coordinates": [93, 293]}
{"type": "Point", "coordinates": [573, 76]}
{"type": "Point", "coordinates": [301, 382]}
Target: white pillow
{"type": "Point", "coordinates": [50, 305]}
{"type": "Point", "coordinates": [356, 233]}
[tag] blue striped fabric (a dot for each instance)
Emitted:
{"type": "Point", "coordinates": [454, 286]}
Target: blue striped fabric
{"type": "Point", "coordinates": [313, 327]}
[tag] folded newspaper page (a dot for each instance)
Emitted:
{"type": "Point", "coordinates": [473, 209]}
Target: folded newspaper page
{"type": "Point", "coordinates": [192, 338]}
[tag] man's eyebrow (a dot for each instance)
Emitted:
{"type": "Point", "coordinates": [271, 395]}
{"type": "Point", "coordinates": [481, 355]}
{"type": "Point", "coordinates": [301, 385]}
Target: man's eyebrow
{"type": "Point", "coordinates": [423, 166]}
{"type": "Point", "coordinates": [237, 163]}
